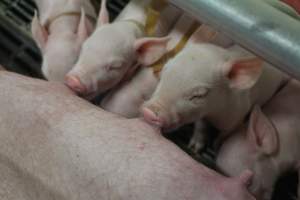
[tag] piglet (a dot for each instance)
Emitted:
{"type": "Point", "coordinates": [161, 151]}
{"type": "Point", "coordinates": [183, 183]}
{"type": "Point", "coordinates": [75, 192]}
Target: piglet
{"type": "Point", "coordinates": [269, 144]}
{"type": "Point", "coordinates": [127, 99]}
{"type": "Point", "coordinates": [114, 50]}
{"type": "Point", "coordinates": [60, 30]}
{"type": "Point", "coordinates": [208, 82]}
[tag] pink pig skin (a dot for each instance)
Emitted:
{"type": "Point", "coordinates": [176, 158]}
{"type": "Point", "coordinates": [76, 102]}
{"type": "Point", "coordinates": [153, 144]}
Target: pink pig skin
{"type": "Point", "coordinates": [205, 81]}
{"type": "Point", "coordinates": [114, 48]}
{"type": "Point", "coordinates": [59, 35]}
{"type": "Point", "coordinates": [127, 99]}
{"type": "Point", "coordinates": [269, 144]}
{"type": "Point", "coordinates": [62, 147]}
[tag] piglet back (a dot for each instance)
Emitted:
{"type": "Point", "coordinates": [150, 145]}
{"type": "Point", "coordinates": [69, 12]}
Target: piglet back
{"type": "Point", "coordinates": [51, 9]}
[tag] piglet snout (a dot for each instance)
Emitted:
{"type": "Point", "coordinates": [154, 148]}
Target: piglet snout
{"type": "Point", "coordinates": [151, 117]}
{"type": "Point", "coordinates": [75, 84]}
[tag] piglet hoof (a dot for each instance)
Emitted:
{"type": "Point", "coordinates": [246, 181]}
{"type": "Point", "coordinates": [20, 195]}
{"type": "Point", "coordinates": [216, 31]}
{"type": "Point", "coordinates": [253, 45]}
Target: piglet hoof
{"type": "Point", "coordinates": [151, 118]}
{"type": "Point", "coordinates": [196, 146]}
{"type": "Point", "coordinates": [74, 84]}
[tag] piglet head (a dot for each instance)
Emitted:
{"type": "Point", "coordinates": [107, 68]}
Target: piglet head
{"type": "Point", "coordinates": [199, 82]}
{"type": "Point", "coordinates": [252, 148]}
{"type": "Point", "coordinates": [60, 49]}
{"type": "Point", "coordinates": [102, 67]}
{"type": "Point", "coordinates": [108, 55]}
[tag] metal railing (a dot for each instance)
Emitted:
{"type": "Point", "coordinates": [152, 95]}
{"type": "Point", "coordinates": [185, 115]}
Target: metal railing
{"type": "Point", "coordinates": [256, 25]}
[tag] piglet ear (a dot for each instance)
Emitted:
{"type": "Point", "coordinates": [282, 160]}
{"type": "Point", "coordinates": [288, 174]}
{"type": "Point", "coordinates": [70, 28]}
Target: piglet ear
{"type": "Point", "coordinates": [243, 73]}
{"type": "Point", "coordinates": [262, 133]}
{"type": "Point", "coordinates": [39, 33]}
{"type": "Point", "coordinates": [82, 32]}
{"type": "Point", "coordinates": [103, 15]}
{"type": "Point", "coordinates": [150, 50]}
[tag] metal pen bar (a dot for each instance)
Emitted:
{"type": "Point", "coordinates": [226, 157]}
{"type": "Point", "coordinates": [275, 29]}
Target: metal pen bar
{"type": "Point", "coordinates": [254, 24]}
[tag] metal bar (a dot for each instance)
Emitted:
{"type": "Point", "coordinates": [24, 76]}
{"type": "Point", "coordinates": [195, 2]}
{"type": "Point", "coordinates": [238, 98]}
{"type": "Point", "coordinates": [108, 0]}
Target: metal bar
{"type": "Point", "coordinates": [257, 26]}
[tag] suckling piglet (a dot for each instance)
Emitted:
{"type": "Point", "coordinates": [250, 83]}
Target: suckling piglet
{"type": "Point", "coordinates": [114, 49]}
{"type": "Point", "coordinates": [269, 144]}
{"type": "Point", "coordinates": [127, 99]}
{"type": "Point", "coordinates": [59, 31]}
{"type": "Point", "coordinates": [208, 82]}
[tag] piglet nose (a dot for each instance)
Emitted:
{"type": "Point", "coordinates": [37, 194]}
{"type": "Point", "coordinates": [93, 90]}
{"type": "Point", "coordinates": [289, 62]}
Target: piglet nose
{"type": "Point", "coordinates": [151, 117]}
{"type": "Point", "coordinates": [75, 84]}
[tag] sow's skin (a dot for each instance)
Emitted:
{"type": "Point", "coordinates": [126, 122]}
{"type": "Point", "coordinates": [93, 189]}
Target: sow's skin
{"type": "Point", "coordinates": [115, 49]}
{"type": "Point", "coordinates": [127, 99]}
{"type": "Point", "coordinates": [60, 30]}
{"type": "Point", "coordinates": [212, 83]}
{"type": "Point", "coordinates": [61, 147]}
{"type": "Point", "coordinates": [269, 144]}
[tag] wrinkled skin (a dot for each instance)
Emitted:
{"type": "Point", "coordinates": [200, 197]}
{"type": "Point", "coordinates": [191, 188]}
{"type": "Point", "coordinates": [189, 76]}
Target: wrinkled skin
{"type": "Point", "coordinates": [208, 82]}
{"type": "Point", "coordinates": [269, 144]}
{"type": "Point", "coordinates": [110, 54]}
{"type": "Point", "coordinates": [59, 35]}
{"type": "Point", "coordinates": [56, 146]}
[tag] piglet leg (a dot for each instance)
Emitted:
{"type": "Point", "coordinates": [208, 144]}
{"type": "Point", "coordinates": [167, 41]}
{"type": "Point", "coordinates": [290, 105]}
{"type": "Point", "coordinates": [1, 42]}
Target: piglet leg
{"type": "Point", "coordinates": [198, 140]}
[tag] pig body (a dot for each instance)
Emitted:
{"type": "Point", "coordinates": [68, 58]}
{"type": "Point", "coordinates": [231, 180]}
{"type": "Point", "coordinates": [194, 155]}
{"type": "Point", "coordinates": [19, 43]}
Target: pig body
{"type": "Point", "coordinates": [113, 49]}
{"type": "Point", "coordinates": [269, 144]}
{"type": "Point", "coordinates": [60, 30]}
{"type": "Point", "coordinates": [212, 83]}
{"type": "Point", "coordinates": [62, 147]}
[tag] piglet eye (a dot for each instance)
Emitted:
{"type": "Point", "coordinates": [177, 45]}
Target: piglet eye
{"type": "Point", "coordinates": [196, 97]}
{"type": "Point", "coordinates": [116, 66]}
{"type": "Point", "coordinates": [198, 94]}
